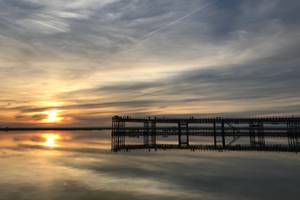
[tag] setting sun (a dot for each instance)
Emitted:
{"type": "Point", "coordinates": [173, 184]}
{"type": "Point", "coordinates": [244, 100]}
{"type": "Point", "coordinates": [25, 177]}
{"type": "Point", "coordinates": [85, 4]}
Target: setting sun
{"type": "Point", "coordinates": [52, 116]}
{"type": "Point", "coordinates": [50, 139]}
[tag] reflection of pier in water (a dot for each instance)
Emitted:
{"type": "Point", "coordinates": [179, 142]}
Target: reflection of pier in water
{"type": "Point", "coordinates": [224, 133]}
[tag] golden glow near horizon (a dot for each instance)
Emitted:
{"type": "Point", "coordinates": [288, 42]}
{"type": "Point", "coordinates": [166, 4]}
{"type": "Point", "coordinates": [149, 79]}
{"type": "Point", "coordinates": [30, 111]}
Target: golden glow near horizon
{"type": "Point", "coordinates": [52, 117]}
{"type": "Point", "coordinates": [50, 139]}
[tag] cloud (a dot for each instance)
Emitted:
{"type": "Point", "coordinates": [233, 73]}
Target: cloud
{"type": "Point", "coordinates": [264, 88]}
{"type": "Point", "coordinates": [153, 57]}
{"type": "Point", "coordinates": [52, 16]}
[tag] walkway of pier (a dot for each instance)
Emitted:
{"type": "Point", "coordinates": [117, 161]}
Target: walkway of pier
{"type": "Point", "coordinates": [224, 133]}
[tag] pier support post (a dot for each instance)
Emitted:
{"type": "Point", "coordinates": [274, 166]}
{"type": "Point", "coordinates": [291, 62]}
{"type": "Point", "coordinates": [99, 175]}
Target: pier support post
{"type": "Point", "coordinates": [146, 133]}
{"type": "Point", "coordinates": [215, 133]}
{"type": "Point", "coordinates": [118, 134]}
{"type": "Point", "coordinates": [153, 134]}
{"type": "Point", "coordinates": [179, 135]}
{"type": "Point", "coordinates": [121, 135]}
{"type": "Point", "coordinates": [223, 134]}
{"type": "Point", "coordinates": [256, 134]}
{"type": "Point", "coordinates": [183, 134]}
{"type": "Point", "coordinates": [113, 134]}
{"type": "Point", "coordinates": [293, 129]}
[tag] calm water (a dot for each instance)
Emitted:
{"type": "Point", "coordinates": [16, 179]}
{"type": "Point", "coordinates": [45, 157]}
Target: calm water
{"type": "Point", "coordinates": [79, 165]}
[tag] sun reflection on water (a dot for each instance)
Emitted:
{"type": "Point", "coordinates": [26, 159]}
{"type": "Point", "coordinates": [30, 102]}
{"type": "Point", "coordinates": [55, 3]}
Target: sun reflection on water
{"type": "Point", "coordinates": [51, 139]}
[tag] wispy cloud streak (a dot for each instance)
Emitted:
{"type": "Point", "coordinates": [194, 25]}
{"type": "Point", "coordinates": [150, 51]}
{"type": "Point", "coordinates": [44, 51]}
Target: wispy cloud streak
{"type": "Point", "coordinates": [173, 23]}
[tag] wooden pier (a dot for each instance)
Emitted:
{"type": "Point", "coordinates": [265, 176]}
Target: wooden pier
{"type": "Point", "coordinates": [224, 133]}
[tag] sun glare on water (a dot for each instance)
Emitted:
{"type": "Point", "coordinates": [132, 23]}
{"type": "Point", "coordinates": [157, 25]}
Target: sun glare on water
{"type": "Point", "coordinates": [50, 139]}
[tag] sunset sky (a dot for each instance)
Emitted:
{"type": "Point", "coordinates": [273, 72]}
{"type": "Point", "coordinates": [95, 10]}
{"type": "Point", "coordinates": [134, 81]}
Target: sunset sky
{"type": "Point", "coordinates": [79, 62]}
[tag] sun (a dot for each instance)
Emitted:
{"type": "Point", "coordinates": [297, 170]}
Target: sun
{"type": "Point", "coordinates": [50, 139]}
{"type": "Point", "coordinates": [52, 116]}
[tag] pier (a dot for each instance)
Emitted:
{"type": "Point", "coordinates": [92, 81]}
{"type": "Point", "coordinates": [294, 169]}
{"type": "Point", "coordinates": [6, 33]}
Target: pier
{"type": "Point", "coordinates": [234, 134]}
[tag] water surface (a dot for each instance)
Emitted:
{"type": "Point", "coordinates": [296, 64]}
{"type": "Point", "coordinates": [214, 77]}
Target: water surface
{"type": "Point", "coordinates": [80, 165]}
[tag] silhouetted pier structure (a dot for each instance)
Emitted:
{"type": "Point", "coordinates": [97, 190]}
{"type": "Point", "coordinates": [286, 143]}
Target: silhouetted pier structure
{"type": "Point", "coordinates": [224, 133]}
